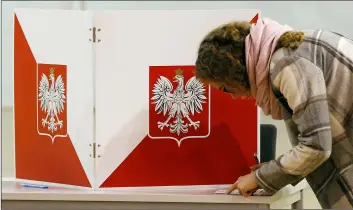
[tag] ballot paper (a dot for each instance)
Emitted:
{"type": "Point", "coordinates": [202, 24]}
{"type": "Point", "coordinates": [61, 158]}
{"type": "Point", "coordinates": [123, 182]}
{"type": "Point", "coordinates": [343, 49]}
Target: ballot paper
{"type": "Point", "coordinates": [259, 192]}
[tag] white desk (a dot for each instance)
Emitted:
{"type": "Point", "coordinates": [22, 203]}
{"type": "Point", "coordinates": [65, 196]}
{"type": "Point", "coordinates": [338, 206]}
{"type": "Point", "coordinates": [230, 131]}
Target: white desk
{"type": "Point", "coordinates": [16, 197]}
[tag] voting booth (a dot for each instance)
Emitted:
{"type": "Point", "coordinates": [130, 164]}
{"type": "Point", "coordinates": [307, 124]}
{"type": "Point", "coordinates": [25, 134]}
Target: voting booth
{"type": "Point", "coordinates": [109, 100]}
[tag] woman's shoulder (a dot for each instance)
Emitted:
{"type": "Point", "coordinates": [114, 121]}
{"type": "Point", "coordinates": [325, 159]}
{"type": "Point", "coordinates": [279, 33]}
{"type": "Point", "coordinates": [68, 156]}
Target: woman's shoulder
{"type": "Point", "coordinates": [279, 55]}
{"type": "Point", "coordinates": [319, 50]}
{"type": "Point", "coordinates": [294, 64]}
{"type": "Point", "coordinates": [281, 58]}
{"type": "Point", "coordinates": [285, 53]}
{"type": "Point", "coordinates": [285, 56]}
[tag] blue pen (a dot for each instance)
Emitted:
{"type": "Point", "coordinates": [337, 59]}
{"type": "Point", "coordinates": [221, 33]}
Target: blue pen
{"type": "Point", "coordinates": [34, 186]}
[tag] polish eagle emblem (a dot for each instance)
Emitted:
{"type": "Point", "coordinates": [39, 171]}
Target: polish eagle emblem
{"type": "Point", "coordinates": [52, 98]}
{"type": "Point", "coordinates": [179, 104]}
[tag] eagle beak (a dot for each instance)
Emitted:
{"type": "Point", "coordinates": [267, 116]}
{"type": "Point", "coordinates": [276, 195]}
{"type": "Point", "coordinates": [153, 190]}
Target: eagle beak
{"type": "Point", "coordinates": [175, 79]}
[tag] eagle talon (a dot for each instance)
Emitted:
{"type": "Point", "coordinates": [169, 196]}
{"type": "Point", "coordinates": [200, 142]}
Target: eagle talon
{"type": "Point", "coordinates": [60, 123]}
{"type": "Point", "coordinates": [162, 124]}
{"type": "Point", "coordinates": [195, 124]}
{"type": "Point", "coordinates": [44, 122]}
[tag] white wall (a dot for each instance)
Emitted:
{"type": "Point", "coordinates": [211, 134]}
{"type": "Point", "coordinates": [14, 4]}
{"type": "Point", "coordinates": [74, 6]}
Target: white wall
{"type": "Point", "coordinates": [331, 15]}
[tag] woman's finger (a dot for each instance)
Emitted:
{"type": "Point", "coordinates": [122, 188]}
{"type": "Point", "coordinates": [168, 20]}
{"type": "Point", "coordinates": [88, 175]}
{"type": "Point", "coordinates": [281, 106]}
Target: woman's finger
{"type": "Point", "coordinates": [233, 187]}
{"type": "Point", "coordinates": [243, 192]}
{"type": "Point", "coordinates": [252, 191]}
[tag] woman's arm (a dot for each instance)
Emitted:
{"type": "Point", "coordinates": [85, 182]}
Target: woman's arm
{"type": "Point", "coordinates": [303, 85]}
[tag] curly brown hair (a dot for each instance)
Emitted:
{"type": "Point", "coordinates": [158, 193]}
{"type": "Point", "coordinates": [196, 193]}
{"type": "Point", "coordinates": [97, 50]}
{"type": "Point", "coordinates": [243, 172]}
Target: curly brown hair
{"type": "Point", "coordinates": [221, 55]}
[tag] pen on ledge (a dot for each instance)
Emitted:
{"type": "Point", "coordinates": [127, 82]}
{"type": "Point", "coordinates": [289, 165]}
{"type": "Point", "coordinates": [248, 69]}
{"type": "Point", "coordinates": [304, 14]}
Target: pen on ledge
{"type": "Point", "coordinates": [256, 158]}
{"type": "Point", "coordinates": [34, 186]}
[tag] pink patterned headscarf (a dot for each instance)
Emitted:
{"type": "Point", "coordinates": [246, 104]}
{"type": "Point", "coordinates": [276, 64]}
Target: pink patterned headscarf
{"type": "Point", "coordinates": [260, 45]}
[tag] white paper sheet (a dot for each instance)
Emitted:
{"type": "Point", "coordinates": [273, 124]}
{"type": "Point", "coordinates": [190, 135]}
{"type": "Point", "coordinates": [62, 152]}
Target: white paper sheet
{"type": "Point", "coordinates": [259, 192]}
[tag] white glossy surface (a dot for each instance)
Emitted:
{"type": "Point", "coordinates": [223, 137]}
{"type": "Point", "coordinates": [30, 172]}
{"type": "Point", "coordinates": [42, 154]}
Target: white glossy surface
{"type": "Point", "coordinates": [13, 191]}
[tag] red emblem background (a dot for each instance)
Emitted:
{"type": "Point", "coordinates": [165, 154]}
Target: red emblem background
{"type": "Point", "coordinates": [37, 158]}
{"type": "Point", "coordinates": [221, 158]}
{"type": "Point", "coordinates": [58, 70]}
{"type": "Point", "coordinates": [204, 116]}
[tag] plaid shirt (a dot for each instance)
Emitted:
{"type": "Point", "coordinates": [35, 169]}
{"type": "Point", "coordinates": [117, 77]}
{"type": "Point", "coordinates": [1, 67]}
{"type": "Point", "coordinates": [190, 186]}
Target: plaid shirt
{"type": "Point", "coordinates": [315, 87]}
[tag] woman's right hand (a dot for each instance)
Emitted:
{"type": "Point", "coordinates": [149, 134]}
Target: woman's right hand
{"type": "Point", "coordinates": [257, 166]}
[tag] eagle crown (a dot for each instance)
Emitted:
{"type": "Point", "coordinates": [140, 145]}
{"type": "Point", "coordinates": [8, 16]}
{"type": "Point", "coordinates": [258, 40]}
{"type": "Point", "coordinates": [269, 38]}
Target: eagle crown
{"type": "Point", "coordinates": [178, 73]}
{"type": "Point", "coordinates": [51, 75]}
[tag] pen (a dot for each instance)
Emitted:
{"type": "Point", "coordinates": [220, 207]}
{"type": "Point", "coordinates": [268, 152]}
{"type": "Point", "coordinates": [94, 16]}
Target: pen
{"type": "Point", "coordinates": [256, 159]}
{"type": "Point", "coordinates": [34, 186]}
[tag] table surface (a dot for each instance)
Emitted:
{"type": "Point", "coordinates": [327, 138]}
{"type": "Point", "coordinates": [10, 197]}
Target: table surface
{"type": "Point", "coordinates": [11, 190]}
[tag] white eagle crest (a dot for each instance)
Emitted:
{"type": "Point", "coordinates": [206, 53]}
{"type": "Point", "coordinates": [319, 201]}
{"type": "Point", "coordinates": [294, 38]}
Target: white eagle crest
{"type": "Point", "coordinates": [178, 103]}
{"type": "Point", "coordinates": [52, 99]}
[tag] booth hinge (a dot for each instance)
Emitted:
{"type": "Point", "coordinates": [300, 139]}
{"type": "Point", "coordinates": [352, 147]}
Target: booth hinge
{"type": "Point", "coordinates": [93, 155]}
{"type": "Point", "coordinates": [94, 34]}
{"type": "Point", "coordinates": [94, 150]}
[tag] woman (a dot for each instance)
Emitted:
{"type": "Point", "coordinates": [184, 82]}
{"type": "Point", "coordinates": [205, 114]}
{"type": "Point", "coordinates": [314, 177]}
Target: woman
{"type": "Point", "coordinates": [304, 78]}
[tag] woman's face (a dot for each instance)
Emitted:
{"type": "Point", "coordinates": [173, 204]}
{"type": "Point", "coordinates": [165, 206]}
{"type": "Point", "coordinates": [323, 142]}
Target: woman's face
{"type": "Point", "coordinates": [234, 92]}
